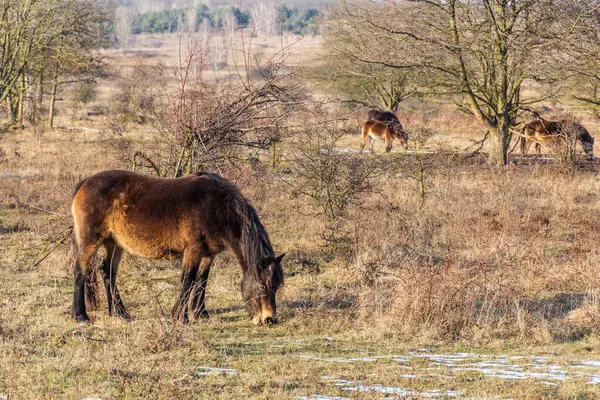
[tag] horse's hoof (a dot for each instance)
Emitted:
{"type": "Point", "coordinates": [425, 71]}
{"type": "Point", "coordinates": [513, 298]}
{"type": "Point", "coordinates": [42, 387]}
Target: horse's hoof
{"type": "Point", "coordinates": [203, 314]}
{"type": "Point", "coordinates": [270, 321]}
{"type": "Point", "coordinates": [125, 317]}
{"type": "Point", "coordinates": [81, 318]}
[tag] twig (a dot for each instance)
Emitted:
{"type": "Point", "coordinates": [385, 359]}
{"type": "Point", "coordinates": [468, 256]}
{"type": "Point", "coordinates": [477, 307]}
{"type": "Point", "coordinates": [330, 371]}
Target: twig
{"type": "Point", "coordinates": [513, 149]}
{"type": "Point", "coordinates": [480, 143]}
{"type": "Point", "coordinates": [20, 201]}
{"type": "Point", "coordinates": [97, 340]}
{"type": "Point", "coordinates": [58, 243]}
{"type": "Point", "coordinates": [162, 311]}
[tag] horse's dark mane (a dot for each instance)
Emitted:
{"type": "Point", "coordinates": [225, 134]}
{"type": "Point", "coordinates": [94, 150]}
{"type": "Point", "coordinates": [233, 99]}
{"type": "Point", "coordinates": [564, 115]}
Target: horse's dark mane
{"type": "Point", "coordinates": [254, 241]}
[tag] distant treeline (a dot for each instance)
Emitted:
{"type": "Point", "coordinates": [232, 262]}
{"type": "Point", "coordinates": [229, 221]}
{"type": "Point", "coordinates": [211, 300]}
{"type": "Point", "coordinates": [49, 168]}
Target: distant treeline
{"type": "Point", "coordinates": [299, 21]}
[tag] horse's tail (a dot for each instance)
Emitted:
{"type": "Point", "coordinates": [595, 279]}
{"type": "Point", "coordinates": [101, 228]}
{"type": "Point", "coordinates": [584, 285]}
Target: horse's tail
{"type": "Point", "coordinates": [91, 288]}
{"type": "Point", "coordinates": [91, 282]}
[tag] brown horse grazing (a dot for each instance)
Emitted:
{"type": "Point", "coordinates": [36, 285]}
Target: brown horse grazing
{"type": "Point", "coordinates": [194, 217]}
{"type": "Point", "coordinates": [377, 130]}
{"type": "Point", "coordinates": [543, 132]}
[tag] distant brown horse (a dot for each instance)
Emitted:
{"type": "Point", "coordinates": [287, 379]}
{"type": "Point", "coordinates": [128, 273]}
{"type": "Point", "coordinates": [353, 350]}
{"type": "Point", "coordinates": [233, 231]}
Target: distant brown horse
{"type": "Point", "coordinates": [194, 217]}
{"type": "Point", "coordinates": [543, 132]}
{"type": "Point", "coordinates": [377, 130]}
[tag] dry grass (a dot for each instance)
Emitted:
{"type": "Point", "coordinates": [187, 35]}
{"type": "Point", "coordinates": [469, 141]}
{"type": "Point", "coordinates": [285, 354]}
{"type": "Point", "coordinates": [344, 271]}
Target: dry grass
{"type": "Point", "coordinates": [494, 261]}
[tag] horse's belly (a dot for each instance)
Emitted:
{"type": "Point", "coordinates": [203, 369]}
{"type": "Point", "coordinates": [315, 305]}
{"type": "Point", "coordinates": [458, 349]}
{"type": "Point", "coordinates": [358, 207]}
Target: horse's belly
{"type": "Point", "coordinates": [155, 249]}
{"type": "Point", "coordinates": [149, 242]}
{"type": "Point", "coordinates": [375, 137]}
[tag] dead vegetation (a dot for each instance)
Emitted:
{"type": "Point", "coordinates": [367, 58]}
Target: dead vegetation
{"type": "Point", "coordinates": [427, 247]}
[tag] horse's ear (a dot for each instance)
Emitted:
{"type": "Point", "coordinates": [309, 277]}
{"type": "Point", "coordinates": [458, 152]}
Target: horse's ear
{"type": "Point", "coordinates": [265, 262]}
{"type": "Point", "coordinates": [278, 259]}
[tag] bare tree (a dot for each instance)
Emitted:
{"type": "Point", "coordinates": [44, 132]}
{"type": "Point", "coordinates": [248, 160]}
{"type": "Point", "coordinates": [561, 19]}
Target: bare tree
{"type": "Point", "coordinates": [366, 84]}
{"type": "Point", "coordinates": [482, 54]}
{"type": "Point", "coordinates": [41, 37]}
{"type": "Point", "coordinates": [123, 25]}
{"type": "Point", "coordinates": [26, 30]}
{"type": "Point", "coordinates": [263, 16]}
{"type": "Point", "coordinates": [80, 32]}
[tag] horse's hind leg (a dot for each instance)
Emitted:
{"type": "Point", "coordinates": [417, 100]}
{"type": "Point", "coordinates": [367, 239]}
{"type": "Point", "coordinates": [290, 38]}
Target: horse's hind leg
{"type": "Point", "coordinates": [525, 143]}
{"type": "Point", "coordinates": [363, 139]}
{"type": "Point", "coordinates": [83, 254]}
{"type": "Point", "coordinates": [191, 261]}
{"type": "Point", "coordinates": [200, 287]}
{"type": "Point", "coordinates": [110, 269]}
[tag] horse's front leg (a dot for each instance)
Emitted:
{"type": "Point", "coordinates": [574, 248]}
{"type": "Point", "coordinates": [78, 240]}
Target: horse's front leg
{"type": "Point", "coordinates": [363, 140]}
{"type": "Point", "coordinates": [200, 288]}
{"type": "Point", "coordinates": [388, 143]}
{"type": "Point", "coordinates": [191, 261]}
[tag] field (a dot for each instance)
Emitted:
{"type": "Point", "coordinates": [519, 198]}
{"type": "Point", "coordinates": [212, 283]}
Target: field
{"type": "Point", "coordinates": [469, 281]}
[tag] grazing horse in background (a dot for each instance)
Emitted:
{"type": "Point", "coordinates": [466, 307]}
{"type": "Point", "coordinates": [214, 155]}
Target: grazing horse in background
{"type": "Point", "coordinates": [543, 132]}
{"type": "Point", "coordinates": [194, 217]}
{"type": "Point", "coordinates": [377, 130]}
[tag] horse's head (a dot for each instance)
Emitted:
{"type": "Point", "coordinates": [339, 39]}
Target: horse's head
{"type": "Point", "coordinates": [588, 147]}
{"type": "Point", "coordinates": [400, 134]}
{"type": "Point", "coordinates": [587, 140]}
{"type": "Point", "coordinates": [260, 292]}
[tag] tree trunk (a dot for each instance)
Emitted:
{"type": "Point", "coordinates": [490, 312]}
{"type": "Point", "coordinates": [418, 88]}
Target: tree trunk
{"type": "Point", "coordinates": [37, 99]}
{"type": "Point", "coordinates": [52, 99]}
{"type": "Point", "coordinates": [12, 107]}
{"type": "Point", "coordinates": [501, 141]}
{"type": "Point", "coordinates": [22, 89]}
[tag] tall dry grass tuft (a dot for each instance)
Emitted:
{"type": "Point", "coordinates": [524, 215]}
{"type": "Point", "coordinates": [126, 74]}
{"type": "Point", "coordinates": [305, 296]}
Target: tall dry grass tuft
{"type": "Point", "coordinates": [488, 256]}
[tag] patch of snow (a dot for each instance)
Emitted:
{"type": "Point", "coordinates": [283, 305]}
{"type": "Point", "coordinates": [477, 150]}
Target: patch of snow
{"type": "Point", "coordinates": [203, 371]}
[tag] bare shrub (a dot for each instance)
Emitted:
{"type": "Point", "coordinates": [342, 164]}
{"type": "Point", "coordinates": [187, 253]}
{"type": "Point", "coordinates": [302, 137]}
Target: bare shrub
{"type": "Point", "coordinates": [138, 90]}
{"type": "Point", "coordinates": [566, 147]}
{"type": "Point", "coordinates": [334, 179]}
{"type": "Point", "coordinates": [423, 164]}
{"type": "Point", "coordinates": [204, 121]}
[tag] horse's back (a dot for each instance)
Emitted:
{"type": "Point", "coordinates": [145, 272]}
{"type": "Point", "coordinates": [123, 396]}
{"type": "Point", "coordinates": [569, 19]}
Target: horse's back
{"type": "Point", "coordinates": [154, 217]}
{"type": "Point", "coordinates": [541, 128]}
{"type": "Point", "coordinates": [384, 116]}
